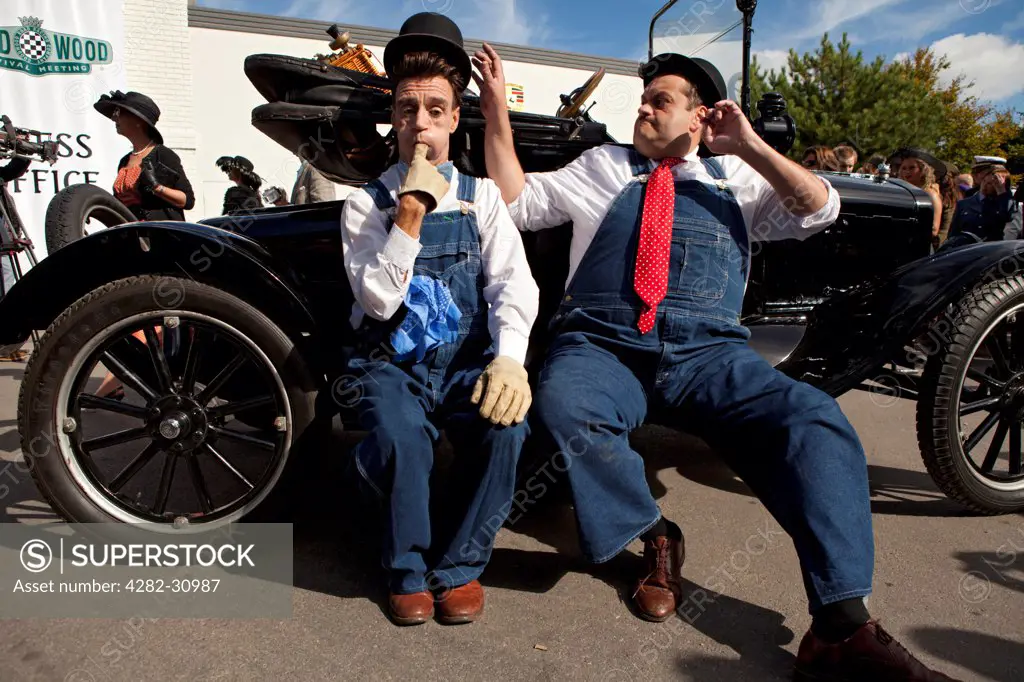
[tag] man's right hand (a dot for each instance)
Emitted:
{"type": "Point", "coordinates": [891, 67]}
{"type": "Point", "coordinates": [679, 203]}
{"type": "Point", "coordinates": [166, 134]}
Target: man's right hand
{"type": "Point", "coordinates": [491, 81]}
{"type": "Point", "coordinates": [423, 180]}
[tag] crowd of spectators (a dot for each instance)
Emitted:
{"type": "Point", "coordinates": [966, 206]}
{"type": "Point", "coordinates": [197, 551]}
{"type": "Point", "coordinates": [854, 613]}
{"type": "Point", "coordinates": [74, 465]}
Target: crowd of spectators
{"type": "Point", "coordinates": [968, 207]}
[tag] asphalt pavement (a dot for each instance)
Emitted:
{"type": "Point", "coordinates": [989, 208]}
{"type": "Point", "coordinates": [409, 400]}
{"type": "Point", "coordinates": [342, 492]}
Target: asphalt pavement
{"type": "Point", "coordinates": [948, 584]}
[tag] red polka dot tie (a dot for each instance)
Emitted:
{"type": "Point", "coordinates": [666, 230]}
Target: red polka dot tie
{"type": "Point", "coordinates": [651, 276]}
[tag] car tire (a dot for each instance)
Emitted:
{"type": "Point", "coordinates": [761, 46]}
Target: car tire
{"type": "Point", "coordinates": [949, 447]}
{"type": "Point", "coordinates": [64, 353]}
{"type": "Point", "coordinates": [71, 207]}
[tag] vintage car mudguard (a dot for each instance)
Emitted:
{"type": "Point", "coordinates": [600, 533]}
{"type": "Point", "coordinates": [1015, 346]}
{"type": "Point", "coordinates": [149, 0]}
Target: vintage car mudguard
{"type": "Point", "coordinates": [229, 260]}
{"type": "Point", "coordinates": [853, 334]}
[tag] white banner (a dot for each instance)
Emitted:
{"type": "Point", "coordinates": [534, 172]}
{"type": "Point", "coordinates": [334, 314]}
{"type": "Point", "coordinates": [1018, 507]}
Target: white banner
{"type": "Point", "coordinates": [56, 58]}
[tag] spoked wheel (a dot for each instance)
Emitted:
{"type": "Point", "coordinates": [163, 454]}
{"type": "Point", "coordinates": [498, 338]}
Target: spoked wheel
{"type": "Point", "coordinates": [971, 411]}
{"type": "Point", "coordinates": [170, 447]}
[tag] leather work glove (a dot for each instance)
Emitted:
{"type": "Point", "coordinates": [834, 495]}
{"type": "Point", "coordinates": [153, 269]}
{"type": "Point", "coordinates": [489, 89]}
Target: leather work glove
{"type": "Point", "coordinates": [424, 177]}
{"type": "Point", "coordinates": [505, 389]}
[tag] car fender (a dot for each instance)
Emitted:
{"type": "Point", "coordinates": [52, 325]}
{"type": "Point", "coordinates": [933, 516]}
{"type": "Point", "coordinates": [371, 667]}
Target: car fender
{"type": "Point", "coordinates": [853, 334]}
{"type": "Point", "coordinates": [225, 259]}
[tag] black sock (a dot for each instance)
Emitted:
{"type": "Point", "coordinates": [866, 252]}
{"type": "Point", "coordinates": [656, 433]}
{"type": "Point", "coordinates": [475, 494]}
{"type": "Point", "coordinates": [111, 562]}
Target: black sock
{"type": "Point", "coordinates": [657, 530]}
{"type": "Point", "coordinates": [837, 621]}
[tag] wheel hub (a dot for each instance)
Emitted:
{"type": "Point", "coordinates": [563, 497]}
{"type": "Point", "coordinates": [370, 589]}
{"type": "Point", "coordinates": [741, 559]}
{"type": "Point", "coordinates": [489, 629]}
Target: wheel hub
{"type": "Point", "coordinates": [174, 425]}
{"type": "Point", "coordinates": [179, 421]}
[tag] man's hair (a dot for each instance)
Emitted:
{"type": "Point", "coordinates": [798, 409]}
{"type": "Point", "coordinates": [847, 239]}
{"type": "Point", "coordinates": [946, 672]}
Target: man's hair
{"type": "Point", "coordinates": [691, 93]}
{"type": "Point", "coordinates": [429, 65]}
{"type": "Point", "coordinates": [845, 154]}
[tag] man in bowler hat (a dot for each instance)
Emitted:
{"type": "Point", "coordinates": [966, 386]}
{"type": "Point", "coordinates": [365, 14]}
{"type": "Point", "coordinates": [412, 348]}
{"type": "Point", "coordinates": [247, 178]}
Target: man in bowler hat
{"type": "Point", "coordinates": [445, 301]}
{"type": "Point", "coordinates": [649, 321]}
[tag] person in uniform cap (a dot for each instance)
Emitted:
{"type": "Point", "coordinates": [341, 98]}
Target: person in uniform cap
{"type": "Point", "coordinates": [991, 213]}
{"type": "Point", "coordinates": [444, 305]}
{"type": "Point", "coordinates": [649, 321]}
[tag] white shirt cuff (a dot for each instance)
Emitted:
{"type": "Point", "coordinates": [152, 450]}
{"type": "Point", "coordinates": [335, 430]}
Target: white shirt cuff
{"type": "Point", "coordinates": [513, 344]}
{"type": "Point", "coordinates": [401, 249]}
{"type": "Point", "coordinates": [828, 213]}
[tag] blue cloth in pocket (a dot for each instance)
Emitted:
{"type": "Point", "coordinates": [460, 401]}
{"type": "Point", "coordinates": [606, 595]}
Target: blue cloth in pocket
{"type": "Point", "coordinates": [432, 319]}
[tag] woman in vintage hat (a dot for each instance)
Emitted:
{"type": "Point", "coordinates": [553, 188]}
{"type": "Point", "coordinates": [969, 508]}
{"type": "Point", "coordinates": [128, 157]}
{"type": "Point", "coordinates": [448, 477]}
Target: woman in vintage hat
{"type": "Point", "coordinates": [245, 195]}
{"type": "Point", "coordinates": [150, 179]}
{"type": "Point", "coordinates": [922, 169]}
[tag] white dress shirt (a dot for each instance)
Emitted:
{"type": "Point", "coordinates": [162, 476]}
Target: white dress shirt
{"type": "Point", "coordinates": [583, 191]}
{"type": "Point", "coordinates": [380, 264]}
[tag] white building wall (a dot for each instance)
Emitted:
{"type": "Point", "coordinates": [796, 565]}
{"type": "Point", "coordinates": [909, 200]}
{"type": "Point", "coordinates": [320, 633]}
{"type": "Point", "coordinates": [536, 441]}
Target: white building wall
{"type": "Point", "coordinates": [159, 64]}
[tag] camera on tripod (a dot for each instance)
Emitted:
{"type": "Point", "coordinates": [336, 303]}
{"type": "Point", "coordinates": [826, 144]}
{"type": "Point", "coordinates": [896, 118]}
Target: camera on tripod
{"type": "Point", "coordinates": [774, 125]}
{"type": "Point", "coordinates": [22, 143]}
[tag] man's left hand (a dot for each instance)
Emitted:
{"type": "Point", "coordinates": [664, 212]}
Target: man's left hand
{"type": "Point", "coordinates": [727, 130]}
{"type": "Point", "coordinates": [505, 389]}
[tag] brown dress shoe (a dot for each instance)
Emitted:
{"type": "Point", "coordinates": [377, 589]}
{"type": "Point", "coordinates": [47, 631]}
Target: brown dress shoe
{"type": "Point", "coordinates": [659, 592]}
{"type": "Point", "coordinates": [462, 604]}
{"type": "Point", "coordinates": [871, 653]}
{"type": "Point", "coordinates": [411, 609]}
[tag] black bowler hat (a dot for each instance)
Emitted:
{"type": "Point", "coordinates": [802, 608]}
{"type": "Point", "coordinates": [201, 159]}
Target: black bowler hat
{"type": "Point", "coordinates": [702, 73]}
{"type": "Point", "coordinates": [429, 32]}
{"type": "Point", "coordinates": [135, 103]}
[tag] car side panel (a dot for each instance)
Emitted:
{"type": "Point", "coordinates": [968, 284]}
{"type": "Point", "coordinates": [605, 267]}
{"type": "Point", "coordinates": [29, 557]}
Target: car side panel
{"type": "Point", "coordinates": [854, 334]}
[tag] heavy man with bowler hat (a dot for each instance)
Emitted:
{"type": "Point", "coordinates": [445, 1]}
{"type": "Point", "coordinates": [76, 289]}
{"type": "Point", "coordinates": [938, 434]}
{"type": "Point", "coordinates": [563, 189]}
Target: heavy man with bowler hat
{"type": "Point", "coordinates": [649, 321]}
{"type": "Point", "coordinates": [445, 301]}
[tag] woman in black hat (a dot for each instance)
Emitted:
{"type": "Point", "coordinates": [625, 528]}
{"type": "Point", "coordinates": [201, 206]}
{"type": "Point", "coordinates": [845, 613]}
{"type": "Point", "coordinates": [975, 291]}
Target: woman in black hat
{"type": "Point", "coordinates": [150, 179]}
{"type": "Point", "coordinates": [245, 193]}
{"type": "Point", "coordinates": [921, 169]}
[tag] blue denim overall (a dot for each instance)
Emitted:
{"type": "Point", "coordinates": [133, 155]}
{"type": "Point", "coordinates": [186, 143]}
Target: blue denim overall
{"type": "Point", "coordinates": [403, 404]}
{"type": "Point", "coordinates": [788, 441]}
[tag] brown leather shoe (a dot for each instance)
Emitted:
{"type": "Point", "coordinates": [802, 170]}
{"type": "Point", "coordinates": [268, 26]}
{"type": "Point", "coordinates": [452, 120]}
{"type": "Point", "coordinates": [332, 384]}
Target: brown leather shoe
{"type": "Point", "coordinates": [871, 653]}
{"type": "Point", "coordinates": [411, 609]}
{"type": "Point", "coordinates": [659, 592]}
{"type": "Point", "coordinates": [462, 604]}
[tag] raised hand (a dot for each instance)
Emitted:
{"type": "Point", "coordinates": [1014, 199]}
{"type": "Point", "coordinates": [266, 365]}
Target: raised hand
{"type": "Point", "coordinates": [727, 130]}
{"type": "Point", "coordinates": [490, 80]}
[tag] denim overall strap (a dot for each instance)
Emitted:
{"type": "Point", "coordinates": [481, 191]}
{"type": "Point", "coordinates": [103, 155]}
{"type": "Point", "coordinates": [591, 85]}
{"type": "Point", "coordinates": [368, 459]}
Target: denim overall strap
{"type": "Point", "coordinates": [467, 188]}
{"type": "Point", "coordinates": [380, 194]}
{"type": "Point", "coordinates": [638, 164]}
{"type": "Point", "coordinates": [714, 168]}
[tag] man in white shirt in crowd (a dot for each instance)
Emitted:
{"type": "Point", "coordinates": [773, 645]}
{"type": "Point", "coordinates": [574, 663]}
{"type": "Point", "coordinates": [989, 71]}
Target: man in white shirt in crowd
{"type": "Point", "coordinates": [445, 301]}
{"type": "Point", "coordinates": [649, 321]}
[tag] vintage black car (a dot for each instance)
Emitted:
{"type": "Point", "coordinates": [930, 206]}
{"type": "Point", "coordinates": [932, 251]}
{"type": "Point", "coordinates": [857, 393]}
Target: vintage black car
{"type": "Point", "coordinates": [230, 334]}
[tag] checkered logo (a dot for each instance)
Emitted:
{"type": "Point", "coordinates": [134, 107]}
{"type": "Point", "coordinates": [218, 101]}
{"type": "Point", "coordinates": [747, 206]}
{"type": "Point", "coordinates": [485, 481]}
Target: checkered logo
{"type": "Point", "coordinates": [36, 51]}
{"type": "Point", "coordinates": [33, 46]}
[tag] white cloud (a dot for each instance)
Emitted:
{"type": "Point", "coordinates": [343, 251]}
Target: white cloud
{"type": "Point", "coordinates": [772, 59]}
{"type": "Point", "coordinates": [505, 21]}
{"type": "Point", "coordinates": [832, 14]}
{"type": "Point", "coordinates": [991, 61]}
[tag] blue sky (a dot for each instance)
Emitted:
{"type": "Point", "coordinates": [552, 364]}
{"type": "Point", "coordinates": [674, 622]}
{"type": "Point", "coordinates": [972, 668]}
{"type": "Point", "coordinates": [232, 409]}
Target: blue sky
{"type": "Point", "coordinates": [984, 39]}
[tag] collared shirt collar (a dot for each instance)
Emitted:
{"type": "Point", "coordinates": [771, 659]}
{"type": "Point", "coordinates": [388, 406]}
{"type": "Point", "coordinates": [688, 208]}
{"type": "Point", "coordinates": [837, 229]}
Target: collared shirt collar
{"type": "Point", "coordinates": [445, 169]}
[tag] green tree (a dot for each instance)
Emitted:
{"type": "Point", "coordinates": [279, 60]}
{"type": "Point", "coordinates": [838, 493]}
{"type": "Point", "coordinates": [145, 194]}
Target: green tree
{"type": "Point", "coordinates": [835, 95]}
